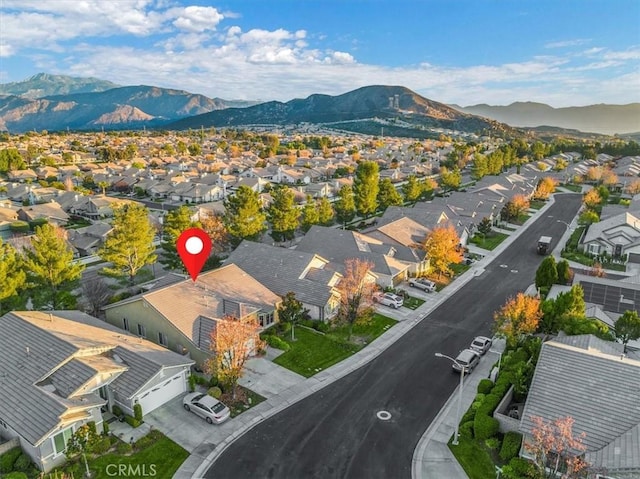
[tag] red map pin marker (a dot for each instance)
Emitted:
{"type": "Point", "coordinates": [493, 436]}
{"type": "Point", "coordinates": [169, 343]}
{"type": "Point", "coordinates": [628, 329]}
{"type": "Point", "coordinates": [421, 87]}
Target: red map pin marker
{"type": "Point", "coordinates": [194, 246]}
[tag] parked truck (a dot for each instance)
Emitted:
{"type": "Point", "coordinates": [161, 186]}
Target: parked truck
{"type": "Point", "coordinates": [544, 244]}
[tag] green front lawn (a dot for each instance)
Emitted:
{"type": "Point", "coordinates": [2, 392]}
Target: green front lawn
{"type": "Point", "coordinates": [159, 453]}
{"type": "Point", "coordinates": [574, 188]}
{"type": "Point", "coordinates": [313, 351]}
{"type": "Point", "coordinates": [412, 303]}
{"type": "Point", "coordinates": [491, 241]}
{"type": "Point", "coordinates": [474, 459]}
{"type": "Point", "coordinates": [537, 204]}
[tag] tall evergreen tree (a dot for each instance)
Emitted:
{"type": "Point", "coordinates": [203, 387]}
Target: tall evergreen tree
{"type": "Point", "coordinates": [547, 273]}
{"type": "Point", "coordinates": [12, 275]}
{"type": "Point", "coordinates": [325, 212]}
{"type": "Point", "coordinates": [365, 188]}
{"type": "Point", "coordinates": [129, 247]}
{"type": "Point", "coordinates": [50, 268]}
{"type": "Point", "coordinates": [412, 189]}
{"type": "Point", "coordinates": [388, 195]}
{"type": "Point", "coordinates": [310, 214]}
{"type": "Point", "coordinates": [283, 214]}
{"type": "Point", "coordinates": [627, 328]}
{"type": "Point", "coordinates": [175, 223]}
{"type": "Point", "coordinates": [345, 205]}
{"type": "Point", "coordinates": [243, 216]}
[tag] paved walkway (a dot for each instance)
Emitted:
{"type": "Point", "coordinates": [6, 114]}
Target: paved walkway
{"type": "Point", "coordinates": [432, 457]}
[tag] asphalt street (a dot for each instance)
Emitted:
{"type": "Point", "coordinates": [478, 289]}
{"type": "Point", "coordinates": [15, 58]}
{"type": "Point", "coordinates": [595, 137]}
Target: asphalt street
{"type": "Point", "coordinates": [335, 433]}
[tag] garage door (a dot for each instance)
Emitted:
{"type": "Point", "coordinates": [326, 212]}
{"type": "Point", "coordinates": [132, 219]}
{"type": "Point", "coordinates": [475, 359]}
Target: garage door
{"type": "Point", "coordinates": [634, 257]}
{"type": "Point", "coordinates": [162, 392]}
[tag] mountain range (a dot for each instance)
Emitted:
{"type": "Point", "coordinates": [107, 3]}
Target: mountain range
{"type": "Point", "coordinates": [606, 119]}
{"type": "Point", "coordinates": [57, 102]}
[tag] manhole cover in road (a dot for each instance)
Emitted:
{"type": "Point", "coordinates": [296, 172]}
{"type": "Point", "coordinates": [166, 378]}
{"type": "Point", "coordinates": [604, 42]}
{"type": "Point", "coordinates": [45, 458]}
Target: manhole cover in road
{"type": "Point", "coordinates": [514, 270]}
{"type": "Point", "coordinates": [504, 265]}
{"type": "Point", "coordinates": [383, 415]}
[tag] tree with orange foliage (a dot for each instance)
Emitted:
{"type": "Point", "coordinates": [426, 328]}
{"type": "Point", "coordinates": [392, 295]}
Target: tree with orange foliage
{"type": "Point", "coordinates": [233, 342]}
{"type": "Point", "coordinates": [442, 246]}
{"type": "Point", "coordinates": [356, 290]}
{"type": "Point", "coordinates": [556, 449]}
{"type": "Point", "coordinates": [518, 316]}
{"type": "Point", "coordinates": [597, 270]}
{"type": "Point", "coordinates": [633, 188]}
{"type": "Point", "coordinates": [592, 198]}
{"type": "Point", "coordinates": [213, 225]}
{"type": "Point", "coordinates": [546, 186]}
{"type": "Point", "coordinates": [609, 178]}
{"type": "Point", "coordinates": [594, 174]}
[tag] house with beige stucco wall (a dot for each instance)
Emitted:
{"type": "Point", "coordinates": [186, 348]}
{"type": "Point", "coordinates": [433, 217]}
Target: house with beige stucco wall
{"type": "Point", "coordinates": [182, 316]}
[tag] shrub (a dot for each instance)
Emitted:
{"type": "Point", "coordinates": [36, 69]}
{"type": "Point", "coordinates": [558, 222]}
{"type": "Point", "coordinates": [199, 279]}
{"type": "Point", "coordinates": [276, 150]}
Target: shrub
{"type": "Point", "coordinates": [321, 326]}
{"type": "Point", "coordinates": [485, 386]}
{"type": "Point", "coordinates": [148, 440]}
{"type": "Point", "coordinates": [469, 415]}
{"type": "Point", "coordinates": [9, 458]}
{"type": "Point", "coordinates": [213, 381]}
{"type": "Point", "coordinates": [493, 443]}
{"type": "Point", "coordinates": [116, 411]}
{"type": "Point", "coordinates": [510, 445]}
{"type": "Point", "coordinates": [132, 421]}
{"type": "Point", "coordinates": [489, 404]}
{"type": "Point", "coordinates": [485, 427]}
{"type": "Point", "coordinates": [105, 428]}
{"type": "Point", "coordinates": [123, 448]}
{"type": "Point", "coordinates": [466, 430]}
{"type": "Point", "coordinates": [284, 327]}
{"type": "Point", "coordinates": [477, 402]}
{"type": "Point", "coordinates": [23, 463]}
{"type": "Point", "coordinates": [519, 468]}
{"type": "Point", "coordinates": [192, 383]}
{"type": "Point", "coordinates": [276, 342]}
{"type": "Point", "coordinates": [200, 380]}
{"type": "Point", "coordinates": [215, 392]}
{"type": "Point", "coordinates": [16, 475]}
{"type": "Point", "coordinates": [101, 446]}
{"type": "Point", "coordinates": [137, 412]}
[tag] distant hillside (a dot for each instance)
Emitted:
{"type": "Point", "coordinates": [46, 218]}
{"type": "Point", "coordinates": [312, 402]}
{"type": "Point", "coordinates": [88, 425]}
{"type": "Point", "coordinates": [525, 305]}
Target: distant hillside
{"type": "Point", "coordinates": [117, 108]}
{"type": "Point", "coordinates": [391, 102]}
{"type": "Point", "coordinates": [604, 119]}
{"type": "Point", "coordinates": [43, 84]}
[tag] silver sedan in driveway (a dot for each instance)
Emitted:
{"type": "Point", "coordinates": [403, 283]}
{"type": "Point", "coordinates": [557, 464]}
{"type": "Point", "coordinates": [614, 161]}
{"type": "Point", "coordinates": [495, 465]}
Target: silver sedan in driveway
{"type": "Point", "coordinates": [207, 407]}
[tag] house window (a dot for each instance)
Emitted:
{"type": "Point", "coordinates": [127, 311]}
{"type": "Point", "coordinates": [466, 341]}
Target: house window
{"type": "Point", "coordinates": [142, 331]}
{"type": "Point", "coordinates": [265, 319]}
{"type": "Point", "coordinates": [60, 440]}
{"type": "Point", "coordinates": [594, 248]}
{"type": "Point", "coordinates": [162, 340]}
{"type": "Point", "coordinates": [125, 324]}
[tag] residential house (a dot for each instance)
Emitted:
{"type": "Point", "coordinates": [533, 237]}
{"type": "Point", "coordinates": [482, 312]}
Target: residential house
{"type": "Point", "coordinates": [61, 369]}
{"type": "Point", "coordinates": [100, 207]}
{"type": "Point", "coordinates": [593, 382]}
{"type": "Point", "coordinates": [616, 236]}
{"type": "Point", "coordinates": [89, 239]}
{"type": "Point", "coordinates": [182, 316]}
{"type": "Point", "coordinates": [52, 212]}
{"type": "Point", "coordinates": [319, 190]}
{"type": "Point", "coordinates": [22, 176]}
{"type": "Point", "coordinates": [391, 264]}
{"type": "Point", "coordinates": [283, 270]}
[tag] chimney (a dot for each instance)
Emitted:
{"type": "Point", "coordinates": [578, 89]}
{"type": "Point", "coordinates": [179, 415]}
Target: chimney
{"type": "Point", "coordinates": [27, 350]}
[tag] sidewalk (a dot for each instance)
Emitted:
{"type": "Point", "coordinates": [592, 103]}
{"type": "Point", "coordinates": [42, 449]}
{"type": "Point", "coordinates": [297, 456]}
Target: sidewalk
{"type": "Point", "coordinates": [432, 457]}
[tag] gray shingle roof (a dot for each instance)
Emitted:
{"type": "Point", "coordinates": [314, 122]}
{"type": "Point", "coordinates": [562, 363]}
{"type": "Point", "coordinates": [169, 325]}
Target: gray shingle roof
{"type": "Point", "coordinates": [621, 455]}
{"type": "Point", "coordinates": [282, 270]}
{"type": "Point", "coordinates": [585, 378]}
{"type": "Point", "coordinates": [46, 361]}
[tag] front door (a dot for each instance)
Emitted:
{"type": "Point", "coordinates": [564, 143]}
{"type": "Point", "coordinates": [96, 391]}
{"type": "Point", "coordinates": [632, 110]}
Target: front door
{"type": "Point", "coordinates": [617, 251]}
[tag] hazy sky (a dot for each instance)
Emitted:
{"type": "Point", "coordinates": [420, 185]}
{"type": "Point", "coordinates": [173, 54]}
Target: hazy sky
{"type": "Point", "coordinates": [560, 52]}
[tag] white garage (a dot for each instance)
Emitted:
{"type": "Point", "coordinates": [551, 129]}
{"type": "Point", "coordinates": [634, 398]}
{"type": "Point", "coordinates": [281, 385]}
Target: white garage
{"type": "Point", "coordinates": [161, 392]}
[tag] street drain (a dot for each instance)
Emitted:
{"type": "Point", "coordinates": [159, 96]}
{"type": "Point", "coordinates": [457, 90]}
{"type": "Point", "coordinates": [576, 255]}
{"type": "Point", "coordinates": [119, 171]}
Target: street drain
{"type": "Point", "coordinates": [383, 415]}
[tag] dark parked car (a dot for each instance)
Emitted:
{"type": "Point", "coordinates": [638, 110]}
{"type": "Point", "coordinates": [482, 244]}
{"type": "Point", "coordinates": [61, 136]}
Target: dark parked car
{"type": "Point", "coordinates": [467, 359]}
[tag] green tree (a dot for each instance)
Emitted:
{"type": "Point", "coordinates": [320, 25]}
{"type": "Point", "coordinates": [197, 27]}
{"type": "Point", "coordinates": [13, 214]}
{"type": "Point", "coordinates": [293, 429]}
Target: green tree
{"type": "Point", "coordinates": [564, 311]}
{"type": "Point", "coordinates": [627, 328]}
{"type": "Point", "coordinates": [244, 218]}
{"type": "Point", "coordinates": [388, 195]}
{"type": "Point", "coordinates": [480, 166]}
{"type": "Point", "coordinates": [195, 149]}
{"type": "Point", "coordinates": [175, 223]}
{"type": "Point", "coordinates": [10, 160]}
{"type": "Point", "coordinates": [547, 273]}
{"type": "Point", "coordinates": [450, 179]}
{"type": "Point", "coordinates": [412, 189]}
{"type": "Point", "coordinates": [103, 185]}
{"type": "Point", "coordinates": [365, 188]}
{"type": "Point", "coordinates": [310, 214]}
{"type": "Point", "coordinates": [565, 274]}
{"type": "Point", "coordinates": [50, 268]}
{"type": "Point", "coordinates": [291, 311]}
{"type": "Point", "coordinates": [588, 217]}
{"type": "Point", "coordinates": [129, 246]}
{"type": "Point", "coordinates": [325, 212]}
{"type": "Point", "coordinates": [283, 214]}
{"type": "Point", "coordinates": [484, 227]}
{"type": "Point", "coordinates": [345, 205]}
{"type": "Point", "coordinates": [12, 275]}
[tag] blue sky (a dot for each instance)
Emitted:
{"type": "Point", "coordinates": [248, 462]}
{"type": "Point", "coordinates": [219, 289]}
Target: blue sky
{"type": "Point", "coordinates": [560, 52]}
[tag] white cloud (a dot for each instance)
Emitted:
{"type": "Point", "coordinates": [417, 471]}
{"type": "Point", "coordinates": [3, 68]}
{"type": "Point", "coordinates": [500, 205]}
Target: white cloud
{"type": "Point", "coordinates": [198, 19]}
{"type": "Point", "coordinates": [567, 43]}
